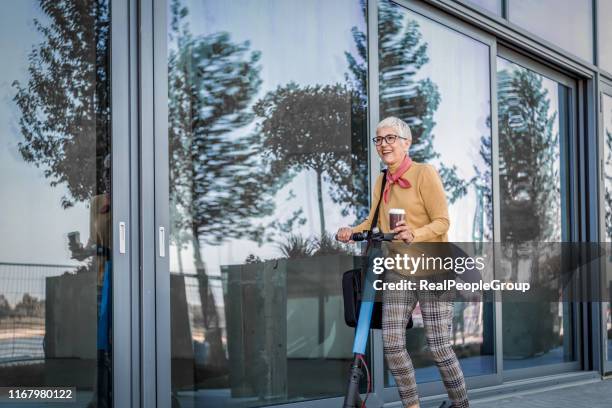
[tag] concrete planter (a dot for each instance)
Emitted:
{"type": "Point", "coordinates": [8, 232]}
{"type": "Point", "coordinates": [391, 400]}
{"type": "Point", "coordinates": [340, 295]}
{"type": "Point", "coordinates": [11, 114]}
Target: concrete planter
{"type": "Point", "coordinates": [283, 310]}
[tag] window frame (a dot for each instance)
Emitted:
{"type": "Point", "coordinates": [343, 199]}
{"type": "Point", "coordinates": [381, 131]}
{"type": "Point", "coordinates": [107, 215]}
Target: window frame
{"type": "Point", "coordinates": [569, 163]}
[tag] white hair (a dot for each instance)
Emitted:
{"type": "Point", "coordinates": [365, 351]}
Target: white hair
{"type": "Point", "coordinates": [402, 128]}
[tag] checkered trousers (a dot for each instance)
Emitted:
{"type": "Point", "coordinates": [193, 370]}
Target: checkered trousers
{"type": "Point", "coordinates": [437, 319]}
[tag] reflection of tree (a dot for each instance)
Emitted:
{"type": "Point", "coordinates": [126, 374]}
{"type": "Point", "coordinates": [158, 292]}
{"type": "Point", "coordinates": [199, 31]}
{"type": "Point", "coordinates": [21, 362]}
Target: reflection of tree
{"type": "Point", "coordinates": [218, 186]}
{"type": "Point", "coordinates": [213, 174]}
{"type": "Point", "coordinates": [402, 53]}
{"type": "Point", "coordinates": [64, 106]}
{"type": "Point", "coordinates": [608, 183]}
{"type": "Point", "coordinates": [354, 196]}
{"type": "Point", "coordinates": [308, 128]}
{"type": "Point", "coordinates": [211, 82]}
{"type": "Point", "coordinates": [528, 150]}
{"type": "Point", "coordinates": [5, 307]}
{"type": "Point", "coordinates": [326, 127]}
{"type": "Point", "coordinates": [30, 306]}
{"type": "Point", "coordinates": [482, 182]}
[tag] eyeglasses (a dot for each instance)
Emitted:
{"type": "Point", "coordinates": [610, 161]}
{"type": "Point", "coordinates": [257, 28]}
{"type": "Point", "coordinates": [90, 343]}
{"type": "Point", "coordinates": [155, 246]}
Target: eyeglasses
{"type": "Point", "coordinates": [390, 139]}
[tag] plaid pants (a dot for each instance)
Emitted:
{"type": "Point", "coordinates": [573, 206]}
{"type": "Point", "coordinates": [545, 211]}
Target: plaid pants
{"type": "Point", "coordinates": [437, 319]}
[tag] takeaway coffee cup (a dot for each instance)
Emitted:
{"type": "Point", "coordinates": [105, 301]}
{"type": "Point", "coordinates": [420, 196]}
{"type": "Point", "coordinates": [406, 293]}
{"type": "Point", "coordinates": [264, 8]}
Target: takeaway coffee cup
{"type": "Point", "coordinates": [396, 215]}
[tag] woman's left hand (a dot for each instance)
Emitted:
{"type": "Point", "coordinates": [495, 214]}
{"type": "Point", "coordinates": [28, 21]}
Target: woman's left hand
{"type": "Point", "coordinates": [404, 232]}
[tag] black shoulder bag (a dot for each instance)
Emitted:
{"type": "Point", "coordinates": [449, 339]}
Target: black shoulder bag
{"type": "Point", "coordinates": [352, 284]}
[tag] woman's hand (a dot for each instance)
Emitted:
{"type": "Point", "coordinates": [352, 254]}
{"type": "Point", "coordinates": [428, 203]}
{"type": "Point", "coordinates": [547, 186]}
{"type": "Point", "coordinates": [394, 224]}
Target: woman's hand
{"type": "Point", "coordinates": [404, 232]}
{"type": "Point", "coordinates": [344, 234]}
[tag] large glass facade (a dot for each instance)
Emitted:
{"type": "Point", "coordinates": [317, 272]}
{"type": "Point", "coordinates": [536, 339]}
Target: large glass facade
{"type": "Point", "coordinates": [55, 251]}
{"type": "Point", "coordinates": [566, 23]}
{"type": "Point", "coordinates": [268, 157]}
{"type": "Point", "coordinates": [426, 84]}
{"type": "Point", "coordinates": [533, 130]}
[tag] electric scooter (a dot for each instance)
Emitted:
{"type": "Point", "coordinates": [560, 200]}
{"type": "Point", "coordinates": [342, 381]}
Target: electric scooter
{"type": "Point", "coordinates": [373, 249]}
{"type": "Point", "coordinates": [352, 399]}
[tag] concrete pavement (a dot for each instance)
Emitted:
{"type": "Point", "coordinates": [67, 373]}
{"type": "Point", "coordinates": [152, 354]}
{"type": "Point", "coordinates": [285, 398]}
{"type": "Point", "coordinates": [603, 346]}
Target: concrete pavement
{"type": "Point", "coordinates": [596, 394]}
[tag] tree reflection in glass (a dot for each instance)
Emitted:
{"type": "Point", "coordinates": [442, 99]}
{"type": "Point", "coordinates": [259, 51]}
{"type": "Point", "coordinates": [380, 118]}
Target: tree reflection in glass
{"type": "Point", "coordinates": [268, 151]}
{"type": "Point", "coordinates": [607, 122]}
{"type": "Point", "coordinates": [531, 131]}
{"type": "Point", "coordinates": [56, 165]}
{"type": "Point", "coordinates": [607, 128]}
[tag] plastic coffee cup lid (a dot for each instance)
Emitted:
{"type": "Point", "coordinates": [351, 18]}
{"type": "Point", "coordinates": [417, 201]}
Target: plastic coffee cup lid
{"type": "Point", "coordinates": [397, 211]}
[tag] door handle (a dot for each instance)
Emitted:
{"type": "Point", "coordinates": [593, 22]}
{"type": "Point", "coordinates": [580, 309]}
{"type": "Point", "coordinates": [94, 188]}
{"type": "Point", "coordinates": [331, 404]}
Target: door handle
{"type": "Point", "coordinates": [122, 234]}
{"type": "Point", "coordinates": [162, 242]}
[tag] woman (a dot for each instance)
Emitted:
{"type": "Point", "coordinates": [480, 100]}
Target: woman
{"type": "Point", "coordinates": [416, 188]}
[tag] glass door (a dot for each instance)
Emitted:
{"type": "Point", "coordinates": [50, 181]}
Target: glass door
{"type": "Point", "coordinates": [536, 138]}
{"type": "Point", "coordinates": [606, 224]}
{"type": "Point", "coordinates": [63, 252]}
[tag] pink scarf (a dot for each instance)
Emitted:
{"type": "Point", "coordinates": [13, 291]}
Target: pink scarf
{"type": "Point", "coordinates": [393, 178]}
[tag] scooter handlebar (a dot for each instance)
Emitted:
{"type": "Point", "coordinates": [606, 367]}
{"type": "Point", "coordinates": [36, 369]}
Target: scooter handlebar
{"type": "Point", "coordinates": [374, 236]}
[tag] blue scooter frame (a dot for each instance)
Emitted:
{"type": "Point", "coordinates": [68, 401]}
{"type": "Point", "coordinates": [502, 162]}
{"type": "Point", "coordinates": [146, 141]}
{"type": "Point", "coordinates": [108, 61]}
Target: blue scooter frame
{"type": "Point", "coordinates": [352, 398]}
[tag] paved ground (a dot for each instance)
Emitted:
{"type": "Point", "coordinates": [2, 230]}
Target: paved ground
{"type": "Point", "coordinates": [590, 395]}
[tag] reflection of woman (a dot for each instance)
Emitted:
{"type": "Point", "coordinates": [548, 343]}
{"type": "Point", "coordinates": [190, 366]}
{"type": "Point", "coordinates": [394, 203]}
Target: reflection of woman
{"type": "Point", "coordinates": [98, 248]}
{"type": "Point", "coordinates": [98, 244]}
{"type": "Point", "coordinates": [416, 188]}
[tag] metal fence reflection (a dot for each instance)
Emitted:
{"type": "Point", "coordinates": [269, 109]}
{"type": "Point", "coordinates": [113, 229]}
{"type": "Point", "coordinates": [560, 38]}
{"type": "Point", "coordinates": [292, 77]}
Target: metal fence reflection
{"type": "Point", "coordinates": [22, 309]}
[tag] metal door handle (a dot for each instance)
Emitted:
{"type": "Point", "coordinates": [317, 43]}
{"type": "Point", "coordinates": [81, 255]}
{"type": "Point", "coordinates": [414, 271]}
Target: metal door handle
{"type": "Point", "coordinates": [162, 242]}
{"type": "Point", "coordinates": [122, 237]}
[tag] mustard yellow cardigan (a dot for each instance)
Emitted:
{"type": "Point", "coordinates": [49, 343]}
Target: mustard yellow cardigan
{"type": "Point", "coordinates": [424, 202]}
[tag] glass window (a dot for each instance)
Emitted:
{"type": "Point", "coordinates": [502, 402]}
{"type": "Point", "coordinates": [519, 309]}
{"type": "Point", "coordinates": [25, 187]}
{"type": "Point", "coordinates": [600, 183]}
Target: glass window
{"type": "Point", "coordinates": [494, 6]}
{"type": "Point", "coordinates": [533, 127]}
{"type": "Point", "coordinates": [604, 11]}
{"type": "Point", "coordinates": [439, 84]}
{"type": "Point", "coordinates": [55, 173]}
{"type": "Point", "coordinates": [268, 156]}
{"type": "Point", "coordinates": [607, 126]}
{"type": "Point", "coordinates": [565, 23]}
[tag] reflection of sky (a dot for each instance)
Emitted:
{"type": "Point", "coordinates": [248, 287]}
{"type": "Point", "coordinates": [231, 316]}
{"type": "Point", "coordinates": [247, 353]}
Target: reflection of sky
{"type": "Point", "coordinates": [33, 223]}
{"type": "Point", "coordinates": [459, 66]}
{"type": "Point", "coordinates": [299, 41]}
{"type": "Point", "coordinates": [565, 23]}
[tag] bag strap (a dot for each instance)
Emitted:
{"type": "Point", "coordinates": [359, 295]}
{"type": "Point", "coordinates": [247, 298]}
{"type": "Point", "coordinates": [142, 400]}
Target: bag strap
{"type": "Point", "coordinates": [374, 222]}
{"type": "Point", "coordinates": [373, 225]}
